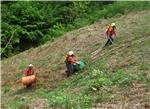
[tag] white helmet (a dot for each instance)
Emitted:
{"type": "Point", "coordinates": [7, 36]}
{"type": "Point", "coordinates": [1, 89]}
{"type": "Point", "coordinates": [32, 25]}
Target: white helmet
{"type": "Point", "coordinates": [113, 24]}
{"type": "Point", "coordinates": [71, 53]}
{"type": "Point", "coordinates": [30, 65]}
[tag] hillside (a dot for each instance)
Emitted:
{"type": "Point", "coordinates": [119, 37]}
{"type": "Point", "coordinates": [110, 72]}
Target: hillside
{"type": "Point", "coordinates": [118, 77]}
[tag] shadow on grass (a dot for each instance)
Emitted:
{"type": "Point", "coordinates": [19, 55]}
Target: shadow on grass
{"type": "Point", "coordinates": [24, 90]}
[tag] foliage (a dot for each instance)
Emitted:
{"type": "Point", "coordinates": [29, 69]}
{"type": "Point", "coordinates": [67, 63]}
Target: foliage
{"type": "Point", "coordinates": [38, 22]}
{"type": "Point", "coordinates": [24, 64]}
{"type": "Point", "coordinates": [101, 80]}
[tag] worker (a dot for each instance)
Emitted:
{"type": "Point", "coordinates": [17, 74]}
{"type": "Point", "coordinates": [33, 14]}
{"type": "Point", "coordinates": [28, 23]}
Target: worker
{"type": "Point", "coordinates": [110, 32]}
{"type": "Point", "coordinates": [70, 63]}
{"type": "Point", "coordinates": [28, 72]}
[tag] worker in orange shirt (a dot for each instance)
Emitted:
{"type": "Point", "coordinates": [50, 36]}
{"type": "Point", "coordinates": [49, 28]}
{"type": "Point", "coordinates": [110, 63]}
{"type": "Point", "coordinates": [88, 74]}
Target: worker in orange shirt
{"type": "Point", "coordinates": [70, 63]}
{"type": "Point", "coordinates": [110, 32]}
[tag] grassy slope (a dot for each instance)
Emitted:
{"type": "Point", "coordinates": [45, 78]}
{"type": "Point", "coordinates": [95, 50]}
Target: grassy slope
{"type": "Point", "coordinates": [119, 76]}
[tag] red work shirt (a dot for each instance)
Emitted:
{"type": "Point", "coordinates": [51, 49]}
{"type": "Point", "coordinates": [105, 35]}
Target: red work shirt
{"type": "Point", "coordinates": [29, 71]}
{"type": "Point", "coordinates": [110, 31]}
{"type": "Point", "coordinates": [70, 59]}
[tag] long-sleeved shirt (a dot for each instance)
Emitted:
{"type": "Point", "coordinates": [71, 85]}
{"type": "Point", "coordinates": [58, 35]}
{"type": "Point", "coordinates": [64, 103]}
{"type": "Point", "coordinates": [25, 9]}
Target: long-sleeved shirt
{"type": "Point", "coordinates": [110, 31]}
{"type": "Point", "coordinates": [29, 71]}
{"type": "Point", "coordinates": [71, 59]}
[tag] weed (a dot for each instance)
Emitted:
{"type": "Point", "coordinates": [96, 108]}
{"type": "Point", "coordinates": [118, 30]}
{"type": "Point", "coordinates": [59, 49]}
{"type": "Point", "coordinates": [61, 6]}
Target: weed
{"type": "Point", "coordinates": [122, 78]}
{"type": "Point", "coordinates": [7, 89]}
{"type": "Point", "coordinates": [90, 86]}
{"type": "Point", "coordinates": [24, 64]}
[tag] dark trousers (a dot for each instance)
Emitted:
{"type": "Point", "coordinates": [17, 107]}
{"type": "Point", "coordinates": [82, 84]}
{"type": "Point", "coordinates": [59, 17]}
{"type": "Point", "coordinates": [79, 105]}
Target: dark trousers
{"type": "Point", "coordinates": [28, 85]}
{"type": "Point", "coordinates": [109, 41]}
{"type": "Point", "coordinates": [70, 69]}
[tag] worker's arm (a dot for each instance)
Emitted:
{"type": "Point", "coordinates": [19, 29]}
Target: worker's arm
{"type": "Point", "coordinates": [25, 72]}
{"type": "Point", "coordinates": [70, 59]}
{"type": "Point", "coordinates": [33, 71]}
{"type": "Point", "coordinates": [114, 32]}
{"type": "Point", "coordinates": [106, 32]}
{"type": "Point", "coordinates": [114, 35]}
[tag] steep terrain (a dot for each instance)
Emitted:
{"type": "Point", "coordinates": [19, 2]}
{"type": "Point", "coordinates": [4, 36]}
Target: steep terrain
{"type": "Point", "coordinates": [119, 76]}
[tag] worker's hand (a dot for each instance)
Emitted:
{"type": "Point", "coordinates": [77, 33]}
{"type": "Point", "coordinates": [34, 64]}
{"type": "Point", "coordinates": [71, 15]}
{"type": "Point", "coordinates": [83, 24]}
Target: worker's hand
{"type": "Point", "coordinates": [78, 62]}
{"type": "Point", "coordinates": [23, 72]}
{"type": "Point", "coordinates": [114, 36]}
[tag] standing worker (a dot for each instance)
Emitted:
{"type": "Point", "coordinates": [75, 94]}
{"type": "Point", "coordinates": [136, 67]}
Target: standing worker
{"type": "Point", "coordinates": [110, 32]}
{"type": "Point", "coordinates": [70, 63]}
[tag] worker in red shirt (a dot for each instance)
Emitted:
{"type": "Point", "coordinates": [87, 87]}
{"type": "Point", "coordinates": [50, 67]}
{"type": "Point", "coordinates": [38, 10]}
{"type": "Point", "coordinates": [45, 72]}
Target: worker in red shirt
{"type": "Point", "coordinates": [70, 63]}
{"type": "Point", "coordinates": [29, 71]}
{"type": "Point", "coordinates": [110, 32]}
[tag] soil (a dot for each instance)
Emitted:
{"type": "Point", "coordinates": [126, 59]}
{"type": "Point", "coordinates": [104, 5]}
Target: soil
{"type": "Point", "coordinates": [50, 68]}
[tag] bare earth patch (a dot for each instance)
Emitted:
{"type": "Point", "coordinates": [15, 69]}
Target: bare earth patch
{"type": "Point", "coordinates": [36, 104]}
{"type": "Point", "coordinates": [136, 97]}
{"type": "Point", "coordinates": [49, 60]}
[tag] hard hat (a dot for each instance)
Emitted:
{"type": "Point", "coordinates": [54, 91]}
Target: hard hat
{"type": "Point", "coordinates": [30, 65]}
{"type": "Point", "coordinates": [113, 24]}
{"type": "Point", "coordinates": [71, 53]}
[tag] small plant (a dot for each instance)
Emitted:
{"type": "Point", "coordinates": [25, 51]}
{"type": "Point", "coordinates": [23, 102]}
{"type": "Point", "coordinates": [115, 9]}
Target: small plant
{"type": "Point", "coordinates": [144, 67]}
{"type": "Point", "coordinates": [122, 78]}
{"type": "Point", "coordinates": [23, 65]}
{"type": "Point", "coordinates": [62, 100]}
{"type": "Point", "coordinates": [6, 89]}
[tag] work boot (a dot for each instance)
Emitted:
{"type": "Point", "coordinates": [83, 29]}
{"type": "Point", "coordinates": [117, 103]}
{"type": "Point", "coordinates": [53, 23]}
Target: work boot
{"type": "Point", "coordinates": [28, 86]}
{"type": "Point", "coordinates": [67, 72]}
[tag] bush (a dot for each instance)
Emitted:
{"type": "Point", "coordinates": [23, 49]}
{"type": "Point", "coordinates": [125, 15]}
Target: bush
{"type": "Point", "coordinates": [39, 22]}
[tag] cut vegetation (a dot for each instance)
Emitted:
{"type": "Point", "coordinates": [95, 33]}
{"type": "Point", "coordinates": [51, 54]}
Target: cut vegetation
{"type": "Point", "coordinates": [118, 78]}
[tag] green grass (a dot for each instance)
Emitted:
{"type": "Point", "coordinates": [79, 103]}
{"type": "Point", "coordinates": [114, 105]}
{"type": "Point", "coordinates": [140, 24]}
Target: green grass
{"type": "Point", "coordinates": [92, 86]}
{"type": "Point", "coordinates": [89, 83]}
{"type": "Point", "coordinates": [24, 64]}
{"type": "Point", "coordinates": [7, 89]}
{"type": "Point", "coordinates": [116, 9]}
{"type": "Point", "coordinates": [63, 95]}
{"type": "Point", "coordinates": [121, 67]}
{"type": "Point", "coordinates": [17, 103]}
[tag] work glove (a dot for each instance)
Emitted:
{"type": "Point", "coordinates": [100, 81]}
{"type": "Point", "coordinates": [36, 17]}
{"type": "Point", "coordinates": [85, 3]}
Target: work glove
{"type": "Point", "coordinates": [78, 63]}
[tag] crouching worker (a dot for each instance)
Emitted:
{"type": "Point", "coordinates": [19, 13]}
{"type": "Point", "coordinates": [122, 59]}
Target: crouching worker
{"type": "Point", "coordinates": [71, 64]}
{"type": "Point", "coordinates": [29, 78]}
